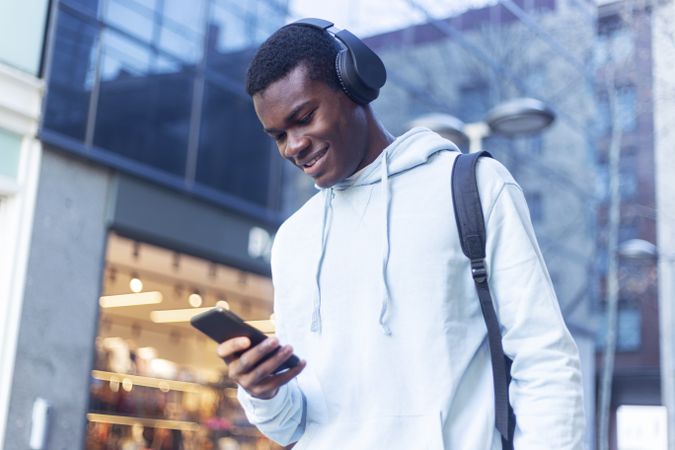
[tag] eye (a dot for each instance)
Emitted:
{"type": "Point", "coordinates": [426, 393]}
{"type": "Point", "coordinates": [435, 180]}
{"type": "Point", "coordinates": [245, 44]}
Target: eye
{"type": "Point", "coordinates": [306, 119]}
{"type": "Point", "coordinates": [280, 137]}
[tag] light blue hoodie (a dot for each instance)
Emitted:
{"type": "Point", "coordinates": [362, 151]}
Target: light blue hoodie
{"type": "Point", "coordinates": [373, 290]}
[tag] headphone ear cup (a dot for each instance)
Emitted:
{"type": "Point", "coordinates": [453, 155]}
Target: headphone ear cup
{"type": "Point", "coordinates": [350, 80]}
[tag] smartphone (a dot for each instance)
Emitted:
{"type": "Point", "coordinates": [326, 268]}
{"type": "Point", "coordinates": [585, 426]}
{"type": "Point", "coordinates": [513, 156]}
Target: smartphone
{"type": "Point", "coordinates": [220, 325]}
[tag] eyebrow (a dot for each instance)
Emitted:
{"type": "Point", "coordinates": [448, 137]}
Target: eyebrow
{"type": "Point", "coordinates": [289, 118]}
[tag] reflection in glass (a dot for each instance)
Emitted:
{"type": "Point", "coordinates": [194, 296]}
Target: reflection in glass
{"type": "Point", "coordinates": [235, 155]}
{"type": "Point", "coordinates": [91, 6]}
{"type": "Point", "coordinates": [147, 62]}
{"type": "Point", "coordinates": [229, 27]}
{"type": "Point", "coordinates": [182, 29]}
{"type": "Point", "coordinates": [141, 115]}
{"type": "Point", "coordinates": [122, 57]}
{"type": "Point", "coordinates": [72, 76]}
{"type": "Point", "coordinates": [132, 16]}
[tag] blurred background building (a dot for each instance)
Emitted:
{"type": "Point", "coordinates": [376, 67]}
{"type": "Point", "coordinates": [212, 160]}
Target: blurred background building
{"type": "Point", "coordinates": [137, 187]}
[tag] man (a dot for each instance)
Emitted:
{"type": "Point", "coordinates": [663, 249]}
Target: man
{"type": "Point", "coordinates": [373, 290]}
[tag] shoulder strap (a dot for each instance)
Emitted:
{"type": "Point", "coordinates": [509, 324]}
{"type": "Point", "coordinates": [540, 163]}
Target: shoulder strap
{"type": "Point", "coordinates": [471, 228]}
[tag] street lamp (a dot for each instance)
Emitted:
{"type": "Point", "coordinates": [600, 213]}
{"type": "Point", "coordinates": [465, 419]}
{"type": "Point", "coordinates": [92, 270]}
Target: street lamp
{"type": "Point", "coordinates": [516, 117]}
{"type": "Point", "coordinates": [639, 249]}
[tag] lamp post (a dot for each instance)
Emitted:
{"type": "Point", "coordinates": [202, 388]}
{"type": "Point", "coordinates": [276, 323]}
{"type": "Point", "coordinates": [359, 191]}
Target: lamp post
{"type": "Point", "coordinates": [516, 117]}
{"type": "Point", "coordinates": [641, 249]}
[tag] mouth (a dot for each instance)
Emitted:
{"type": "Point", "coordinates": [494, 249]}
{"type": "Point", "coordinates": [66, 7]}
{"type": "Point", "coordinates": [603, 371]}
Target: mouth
{"type": "Point", "coordinates": [312, 165]}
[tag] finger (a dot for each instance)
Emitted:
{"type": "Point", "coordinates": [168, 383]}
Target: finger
{"type": "Point", "coordinates": [229, 349]}
{"type": "Point", "coordinates": [267, 367]}
{"type": "Point", "coordinates": [250, 358]}
{"type": "Point", "coordinates": [271, 384]}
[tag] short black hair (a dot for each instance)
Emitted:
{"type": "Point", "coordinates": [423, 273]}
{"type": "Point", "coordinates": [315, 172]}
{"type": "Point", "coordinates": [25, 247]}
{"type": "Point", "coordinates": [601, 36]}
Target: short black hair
{"type": "Point", "coordinates": [286, 49]}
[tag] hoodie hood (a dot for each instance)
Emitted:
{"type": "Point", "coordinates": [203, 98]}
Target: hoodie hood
{"type": "Point", "coordinates": [409, 150]}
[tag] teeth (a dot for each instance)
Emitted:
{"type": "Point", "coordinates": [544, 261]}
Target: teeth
{"type": "Point", "coordinates": [313, 161]}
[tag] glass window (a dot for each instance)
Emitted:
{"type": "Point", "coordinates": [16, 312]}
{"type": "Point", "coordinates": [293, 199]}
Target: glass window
{"type": "Point", "coordinates": [628, 182]}
{"type": "Point", "coordinates": [182, 25]}
{"type": "Point", "coordinates": [474, 100]}
{"type": "Point", "coordinates": [235, 155]}
{"type": "Point", "coordinates": [135, 17]}
{"type": "Point", "coordinates": [23, 26]}
{"type": "Point", "coordinates": [72, 76]}
{"type": "Point", "coordinates": [269, 17]}
{"type": "Point", "coordinates": [92, 6]}
{"type": "Point", "coordinates": [629, 328]}
{"type": "Point", "coordinates": [229, 30]}
{"type": "Point", "coordinates": [626, 108]}
{"type": "Point", "coordinates": [122, 58]}
{"type": "Point", "coordinates": [143, 115]}
{"type": "Point", "coordinates": [10, 153]}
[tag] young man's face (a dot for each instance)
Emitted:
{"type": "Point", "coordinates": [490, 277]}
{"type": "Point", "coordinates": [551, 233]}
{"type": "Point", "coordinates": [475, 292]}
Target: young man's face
{"type": "Point", "coordinates": [317, 128]}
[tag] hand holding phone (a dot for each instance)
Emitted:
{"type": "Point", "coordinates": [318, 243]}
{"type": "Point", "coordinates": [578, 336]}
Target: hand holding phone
{"type": "Point", "coordinates": [257, 363]}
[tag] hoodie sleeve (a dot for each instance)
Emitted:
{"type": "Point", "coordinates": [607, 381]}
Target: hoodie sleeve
{"type": "Point", "coordinates": [281, 418]}
{"type": "Point", "coordinates": [546, 389]}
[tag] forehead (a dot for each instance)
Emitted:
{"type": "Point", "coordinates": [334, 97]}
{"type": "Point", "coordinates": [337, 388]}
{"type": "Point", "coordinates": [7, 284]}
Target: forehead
{"type": "Point", "coordinates": [285, 94]}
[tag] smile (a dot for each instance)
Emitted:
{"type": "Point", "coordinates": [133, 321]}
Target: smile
{"type": "Point", "coordinates": [313, 162]}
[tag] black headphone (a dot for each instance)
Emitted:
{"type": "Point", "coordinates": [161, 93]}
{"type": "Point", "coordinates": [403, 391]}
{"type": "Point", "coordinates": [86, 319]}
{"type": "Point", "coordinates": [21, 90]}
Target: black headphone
{"type": "Point", "coordinates": [360, 71]}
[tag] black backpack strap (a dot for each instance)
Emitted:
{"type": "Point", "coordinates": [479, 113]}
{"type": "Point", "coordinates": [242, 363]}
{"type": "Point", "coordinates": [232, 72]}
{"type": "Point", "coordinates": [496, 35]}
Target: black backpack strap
{"type": "Point", "coordinates": [471, 228]}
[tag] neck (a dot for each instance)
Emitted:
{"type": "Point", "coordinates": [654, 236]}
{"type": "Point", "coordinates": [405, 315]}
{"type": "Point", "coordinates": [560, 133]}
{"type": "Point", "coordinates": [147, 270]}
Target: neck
{"type": "Point", "coordinates": [379, 137]}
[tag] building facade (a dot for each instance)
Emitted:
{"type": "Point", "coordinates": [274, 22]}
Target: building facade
{"type": "Point", "coordinates": [626, 94]}
{"type": "Point", "coordinates": [137, 186]}
{"type": "Point", "coordinates": [21, 89]}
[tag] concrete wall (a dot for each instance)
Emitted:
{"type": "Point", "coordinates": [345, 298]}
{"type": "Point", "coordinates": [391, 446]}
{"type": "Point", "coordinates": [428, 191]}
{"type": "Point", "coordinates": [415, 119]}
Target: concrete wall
{"type": "Point", "coordinates": [59, 317]}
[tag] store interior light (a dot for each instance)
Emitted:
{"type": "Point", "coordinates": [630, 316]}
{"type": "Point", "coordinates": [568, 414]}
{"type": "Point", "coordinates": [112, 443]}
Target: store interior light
{"type": "Point", "coordinates": [127, 384]}
{"type": "Point", "coordinates": [223, 304]}
{"type": "Point", "coordinates": [141, 298]}
{"type": "Point", "coordinates": [195, 300]}
{"type": "Point", "coordinates": [175, 315]}
{"type": "Point", "coordinates": [135, 284]}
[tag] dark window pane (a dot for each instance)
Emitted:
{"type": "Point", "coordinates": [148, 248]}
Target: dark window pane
{"type": "Point", "coordinates": [90, 6]}
{"type": "Point", "coordinates": [72, 76]}
{"type": "Point", "coordinates": [234, 153]}
{"type": "Point", "coordinates": [142, 114]}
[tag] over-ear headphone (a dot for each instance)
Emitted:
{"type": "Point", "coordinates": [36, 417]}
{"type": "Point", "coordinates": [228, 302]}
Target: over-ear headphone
{"type": "Point", "coordinates": [360, 71]}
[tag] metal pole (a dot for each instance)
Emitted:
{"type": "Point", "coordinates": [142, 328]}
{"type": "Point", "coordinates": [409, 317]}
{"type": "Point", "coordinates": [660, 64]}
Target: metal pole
{"type": "Point", "coordinates": [476, 132]}
{"type": "Point", "coordinates": [612, 267]}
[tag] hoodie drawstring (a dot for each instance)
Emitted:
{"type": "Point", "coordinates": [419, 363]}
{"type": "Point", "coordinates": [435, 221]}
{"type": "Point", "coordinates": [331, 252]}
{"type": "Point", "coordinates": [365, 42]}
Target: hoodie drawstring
{"type": "Point", "coordinates": [386, 294]}
{"type": "Point", "coordinates": [325, 229]}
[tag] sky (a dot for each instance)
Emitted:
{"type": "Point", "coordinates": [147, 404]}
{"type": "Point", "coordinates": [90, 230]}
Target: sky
{"type": "Point", "coordinates": [367, 17]}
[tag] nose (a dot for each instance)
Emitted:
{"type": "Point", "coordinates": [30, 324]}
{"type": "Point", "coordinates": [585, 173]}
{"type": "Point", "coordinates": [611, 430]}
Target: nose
{"type": "Point", "coordinates": [296, 143]}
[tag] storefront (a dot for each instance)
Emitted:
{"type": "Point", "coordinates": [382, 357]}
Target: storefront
{"type": "Point", "coordinates": [156, 382]}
